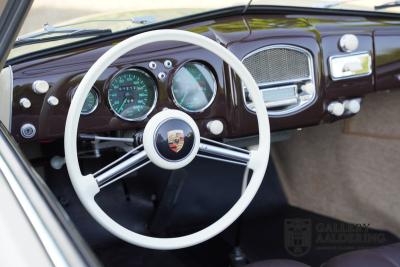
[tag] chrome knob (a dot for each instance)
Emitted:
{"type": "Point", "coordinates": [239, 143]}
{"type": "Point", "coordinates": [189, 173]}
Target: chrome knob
{"type": "Point", "coordinates": [336, 108]}
{"type": "Point", "coordinates": [53, 101]}
{"type": "Point", "coordinates": [353, 106]}
{"type": "Point", "coordinates": [25, 103]}
{"type": "Point", "coordinates": [348, 43]}
{"type": "Point", "coordinates": [40, 87]}
{"type": "Point", "coordinates": [216, 127]}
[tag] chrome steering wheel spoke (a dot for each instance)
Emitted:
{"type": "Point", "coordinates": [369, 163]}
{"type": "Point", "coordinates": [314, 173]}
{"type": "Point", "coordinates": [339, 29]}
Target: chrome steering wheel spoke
{"type": "Point", "coordinates": [121, 167]}
{"type": "Point", "coordinates": [219, 151]}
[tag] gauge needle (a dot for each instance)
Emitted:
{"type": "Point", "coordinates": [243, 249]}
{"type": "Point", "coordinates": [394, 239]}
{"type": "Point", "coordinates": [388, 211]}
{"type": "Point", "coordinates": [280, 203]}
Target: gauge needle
{"type": "Point", "coordinates": [121, 108]}
{"type": "Point", "coordinates": [183, 98]}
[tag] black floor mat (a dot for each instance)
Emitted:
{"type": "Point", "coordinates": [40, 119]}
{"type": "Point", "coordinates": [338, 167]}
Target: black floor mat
{"type": "Point", "coordinates": [308, 237]}
{"type": "Point", "coordinates": [262, 238]}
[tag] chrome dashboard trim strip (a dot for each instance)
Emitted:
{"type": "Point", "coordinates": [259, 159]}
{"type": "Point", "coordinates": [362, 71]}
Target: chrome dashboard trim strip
{"type": "Point", "coordinates": [49, 244]}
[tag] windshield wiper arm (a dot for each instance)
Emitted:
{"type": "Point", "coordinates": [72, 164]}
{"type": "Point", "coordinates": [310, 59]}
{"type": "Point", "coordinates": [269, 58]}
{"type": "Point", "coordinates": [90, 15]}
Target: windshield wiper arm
{"type": "Point", "coordinates": [61, 33]}
{"type": "Point", "coordinates": [388, 5]}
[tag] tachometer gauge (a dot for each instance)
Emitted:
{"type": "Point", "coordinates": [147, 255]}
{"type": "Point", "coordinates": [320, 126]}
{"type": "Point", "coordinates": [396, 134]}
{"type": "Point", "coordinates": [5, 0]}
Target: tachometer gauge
{"type": "Point", "coordinates": [91, 102]}
{"type": "Point", "coordinates": [132, 94]}
{"type": "Point", "coordinates": [194, 87]}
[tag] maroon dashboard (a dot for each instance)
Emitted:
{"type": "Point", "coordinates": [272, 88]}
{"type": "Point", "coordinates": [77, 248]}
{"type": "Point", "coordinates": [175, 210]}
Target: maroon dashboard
{"type": "Point", "coordinates": [310, 68]}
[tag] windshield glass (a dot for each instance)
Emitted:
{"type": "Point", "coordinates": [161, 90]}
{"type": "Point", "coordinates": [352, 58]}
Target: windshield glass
{"type": "Point", "coordinates": [55, 22]}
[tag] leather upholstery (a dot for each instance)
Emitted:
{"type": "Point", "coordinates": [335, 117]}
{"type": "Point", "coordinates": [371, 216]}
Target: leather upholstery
{"type": "Point", "coordinates": [386, 256]}
{"type": "Point", "coordinates": [277, 263]}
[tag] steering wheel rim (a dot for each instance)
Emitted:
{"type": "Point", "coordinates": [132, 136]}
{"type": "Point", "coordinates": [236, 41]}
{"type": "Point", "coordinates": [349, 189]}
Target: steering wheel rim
{"type": "Point", "coordinates": [86, 186]}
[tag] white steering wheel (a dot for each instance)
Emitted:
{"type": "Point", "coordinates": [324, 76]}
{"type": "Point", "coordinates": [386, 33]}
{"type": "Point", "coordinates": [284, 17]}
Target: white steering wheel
{"type": "Point", "coordinates": [162, 125]}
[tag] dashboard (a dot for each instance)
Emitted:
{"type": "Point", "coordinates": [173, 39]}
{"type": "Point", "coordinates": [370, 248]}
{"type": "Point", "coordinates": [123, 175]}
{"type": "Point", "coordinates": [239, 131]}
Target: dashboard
{"type": "Point", "coordinates": [311, 69]}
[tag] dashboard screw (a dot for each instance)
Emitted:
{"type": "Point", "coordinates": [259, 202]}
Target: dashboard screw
{"type": "Point", "coordinates": [162, 76]}
{"type": "Point", "coordinates": [152, 65]}
{"type": "Point", "coordinates": [168, 64]}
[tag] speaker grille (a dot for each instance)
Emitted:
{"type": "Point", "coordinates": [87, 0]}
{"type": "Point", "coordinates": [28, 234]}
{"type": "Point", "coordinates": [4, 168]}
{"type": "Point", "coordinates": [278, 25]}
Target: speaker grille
{"type": "Point", "coordinates": [278, 65]}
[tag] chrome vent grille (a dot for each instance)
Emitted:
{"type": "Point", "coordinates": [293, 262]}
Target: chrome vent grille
{"type": "Point", "coordinates": [285, 76]}
{"type": "Point", "coordinates": [278, 64]}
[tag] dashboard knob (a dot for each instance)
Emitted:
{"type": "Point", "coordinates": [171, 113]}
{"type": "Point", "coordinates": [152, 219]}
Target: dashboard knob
{"type": "Point", "coordinates": [348, 43]}
{"type": "Point", "coordinates": [336, 108]}
{"type": "Point", "coordinates": [25, 102]}
{"type": "Point", "coordinates": [216, 127]}
{"type": "Point", "coordinates": [40, 87]}
{"type": "Point", "coordinates": [53, 101]}
{"type": "Point", "coordinates": [352, 106]}
{"type": "Point", "coordinates": [308, 88]}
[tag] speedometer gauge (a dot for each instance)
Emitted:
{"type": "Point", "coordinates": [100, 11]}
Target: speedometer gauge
{"type": "Point", "coordinates": [194, 87]}
{"type": "Point", "coordinates": [132, 94]}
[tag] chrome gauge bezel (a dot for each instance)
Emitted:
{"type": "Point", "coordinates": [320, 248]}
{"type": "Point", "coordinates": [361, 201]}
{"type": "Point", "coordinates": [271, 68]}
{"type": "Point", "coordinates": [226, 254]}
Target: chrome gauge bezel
{"type": "Point", "coordinates": [215, 88]}
{"type": "Point", "coordinates": [155, 88]}
{"type": "Point", "coordinates": [94, 90]}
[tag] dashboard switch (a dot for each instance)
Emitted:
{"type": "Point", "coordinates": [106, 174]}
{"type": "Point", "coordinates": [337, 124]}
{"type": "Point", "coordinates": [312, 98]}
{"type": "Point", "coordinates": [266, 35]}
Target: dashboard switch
{"type": "Point", "coordinates": [336, 108]}
{"type": "Point", "coordinates": [25, 103]}
{"type": "Point", "coordinates": [216, 127]}
{"type": "Point", "coordinates": [53, 101]}
{"type": "Point", "coordinates": [353, 106]}
{"type": "Point", "coordinates": [40, 87]}
{"type": "Point", "coordinates": [28, 131]}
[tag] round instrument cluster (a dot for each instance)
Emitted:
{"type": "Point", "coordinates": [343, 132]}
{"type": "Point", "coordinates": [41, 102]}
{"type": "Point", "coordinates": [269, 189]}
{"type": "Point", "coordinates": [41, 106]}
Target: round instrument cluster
{"type": "Point", "coordinates": [132, 93]}
{"type": "Point", "coordinates": [91, 102]}
{"type": "Point", "coordinates": [194, 87]}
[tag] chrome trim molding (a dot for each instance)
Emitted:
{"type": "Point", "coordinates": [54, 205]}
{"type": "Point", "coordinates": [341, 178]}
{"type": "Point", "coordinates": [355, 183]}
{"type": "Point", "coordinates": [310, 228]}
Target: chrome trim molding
{"type": "Point", "coordinates": [50, 245]}
{"type": "Point", "coordinates": [6, 97]}
{"type": "Point", "coordinates": [302, 104]}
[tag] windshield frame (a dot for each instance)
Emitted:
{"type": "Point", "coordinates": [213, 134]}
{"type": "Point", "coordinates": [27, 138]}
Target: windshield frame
{"type": "Point", "coordinates": [12, 17]}
{"type": "Point", "coordinates": [201, 17]}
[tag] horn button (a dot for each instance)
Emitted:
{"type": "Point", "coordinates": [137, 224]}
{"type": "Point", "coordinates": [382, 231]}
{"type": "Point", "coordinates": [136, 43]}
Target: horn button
{"type": "Point", "coordinates": [171, 139]}
{"type": "Point", "coordinates": [174, 139]}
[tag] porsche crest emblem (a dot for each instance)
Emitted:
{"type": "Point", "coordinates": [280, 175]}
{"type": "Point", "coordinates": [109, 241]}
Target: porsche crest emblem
{"type": "Point", "coordinates": [176, 140]}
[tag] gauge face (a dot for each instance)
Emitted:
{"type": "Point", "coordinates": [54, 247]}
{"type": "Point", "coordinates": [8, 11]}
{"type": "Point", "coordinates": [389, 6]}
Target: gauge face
{"type": "Point", "coordinates": [132, 94]}
{"type": "Point", "coordinates": [91, 102]}
{"type": "Point", "coordinates": [194, 87]}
